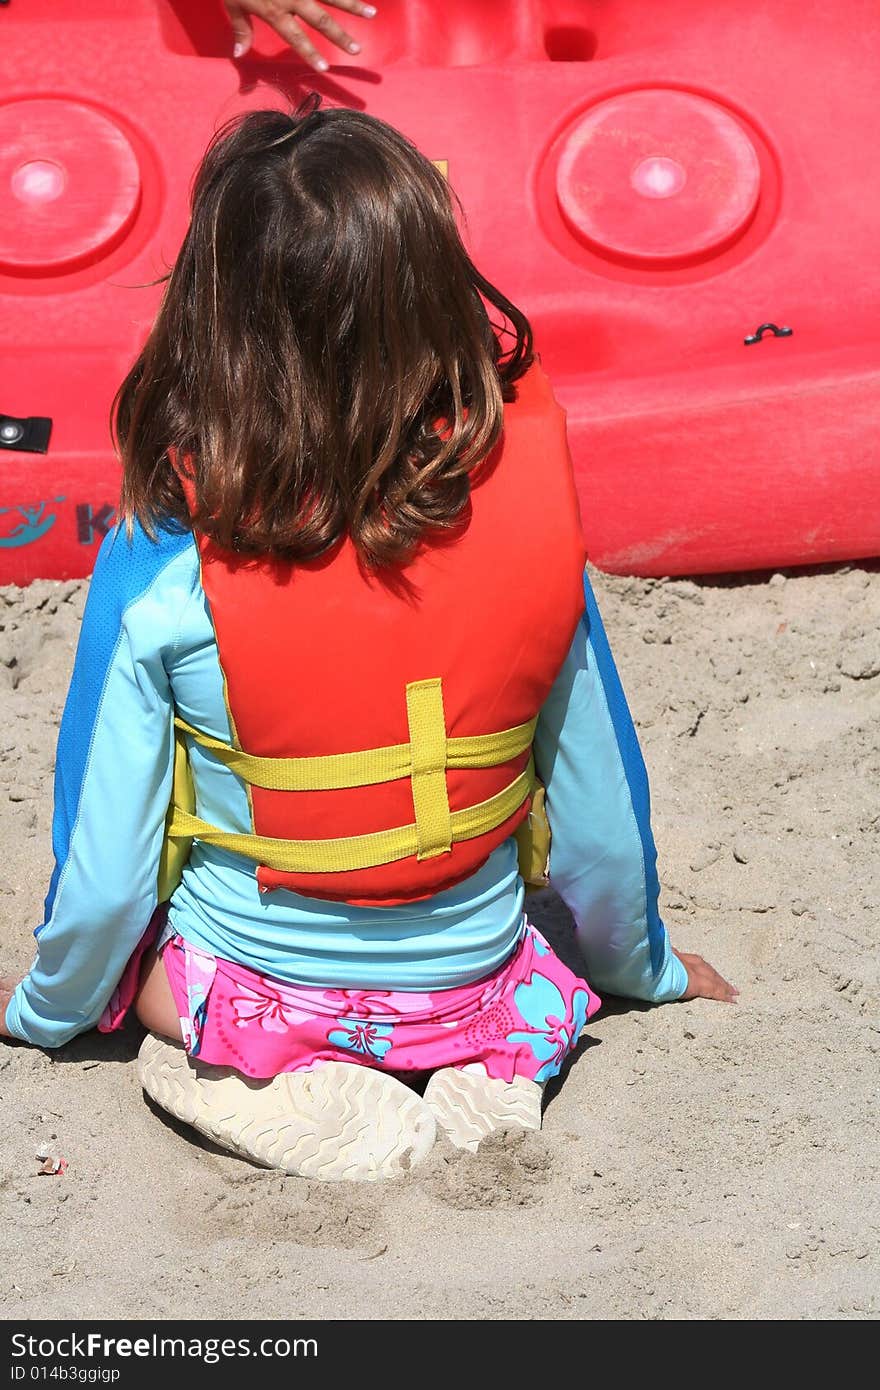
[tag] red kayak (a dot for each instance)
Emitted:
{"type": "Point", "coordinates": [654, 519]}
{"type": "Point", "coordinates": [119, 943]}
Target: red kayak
{"type": "Point", "coordinates": [682, 196]}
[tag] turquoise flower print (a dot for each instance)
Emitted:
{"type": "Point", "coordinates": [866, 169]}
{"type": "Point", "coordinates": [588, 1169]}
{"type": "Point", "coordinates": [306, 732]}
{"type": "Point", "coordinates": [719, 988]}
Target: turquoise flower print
{"type": "Point", "coordinates": [196, 997]}
{"type": "Point", "coordinates": [540, 945]}
{"type": "Point", "coordinates": [580, 1003]}
{"type": "Point", "coordinates": [550, 1033]}
{"type": "Point", "coordinates": [197, 1006]}
{"type": "Point", "coordinates": [357, 1035]}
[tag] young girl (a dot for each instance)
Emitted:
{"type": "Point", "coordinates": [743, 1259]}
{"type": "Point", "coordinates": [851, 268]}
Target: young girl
{"type": "Point", "coordinates": [343, 627]}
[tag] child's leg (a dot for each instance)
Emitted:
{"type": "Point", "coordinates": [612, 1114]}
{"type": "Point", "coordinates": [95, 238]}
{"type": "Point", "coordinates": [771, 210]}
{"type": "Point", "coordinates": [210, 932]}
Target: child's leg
{"type": "Point", "coordinates": [154, 1004]}
{"type": "Point", "coordinates": [469, 1105]}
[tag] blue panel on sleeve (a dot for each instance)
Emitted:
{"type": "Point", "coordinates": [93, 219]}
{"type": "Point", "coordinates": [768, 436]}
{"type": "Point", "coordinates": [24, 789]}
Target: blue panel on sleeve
{"type": "Point", "coordinates": [123, 571]}
{"type": "Point", "coordinates": [633, 767]}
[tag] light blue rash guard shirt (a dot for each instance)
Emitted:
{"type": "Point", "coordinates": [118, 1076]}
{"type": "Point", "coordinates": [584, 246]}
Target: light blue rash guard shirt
{"type": "Point", "coordinates": [147, 650]}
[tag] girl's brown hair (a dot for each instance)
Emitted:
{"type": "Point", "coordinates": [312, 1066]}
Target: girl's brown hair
{"type": "Point", "coordinates": [323, 357]}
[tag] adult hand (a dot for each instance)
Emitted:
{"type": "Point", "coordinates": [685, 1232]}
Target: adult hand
{"type": "Point", "coordinates": [282, 16]}
{"type": "Point", "coordinates": [7, 987]}
{"type": "Point", "coordinates": [704, 982]}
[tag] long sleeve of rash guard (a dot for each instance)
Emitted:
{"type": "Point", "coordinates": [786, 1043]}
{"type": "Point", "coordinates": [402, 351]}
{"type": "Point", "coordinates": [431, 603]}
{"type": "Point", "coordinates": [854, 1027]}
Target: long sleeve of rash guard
{"type": "Point", "coordinates": [113, 782]}
{"type": "Point", "coordinates": [602, 855]}
{"type": "Point", "coordinates": [112, 785]}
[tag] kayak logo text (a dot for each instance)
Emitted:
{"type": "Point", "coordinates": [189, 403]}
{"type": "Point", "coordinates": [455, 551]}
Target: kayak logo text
{"type": "Point", "coordinates": [31, 522]}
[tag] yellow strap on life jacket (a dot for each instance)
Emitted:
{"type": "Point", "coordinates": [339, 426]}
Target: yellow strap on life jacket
{"type": "Point", "coordinates": [533, 842]}
{"type": "Point", "coordinates": [427, 741]}
{"type": "Point", "coordinates": [175, 853]}
{"type": "Point", "coordinates": [351, 852]}
{"type": "Point", "coordinates": [337, 771]}
{"type": "Point", "coordinates": [424, 759]}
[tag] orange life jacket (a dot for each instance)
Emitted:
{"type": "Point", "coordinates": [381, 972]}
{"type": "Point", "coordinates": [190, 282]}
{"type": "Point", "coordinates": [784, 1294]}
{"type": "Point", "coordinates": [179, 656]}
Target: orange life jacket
{"type": "Point", "coordinates": [411, 704]}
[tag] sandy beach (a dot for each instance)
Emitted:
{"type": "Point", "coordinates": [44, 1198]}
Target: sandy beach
{"type": "Point", "coordinates": [697, 1161]}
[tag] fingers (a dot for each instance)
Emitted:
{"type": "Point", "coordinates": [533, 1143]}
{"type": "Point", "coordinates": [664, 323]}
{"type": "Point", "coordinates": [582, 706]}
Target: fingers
{"type": "Point", "coordinates": [716, 987]}
{"type": "Point", "coordinates": [7, 989]}
{"type": "Point", "coordinates": [317, 17]}
{"type": "Point", "coordinates": [704, 981]}
{"type": "Point", "coordinates": [282, 16]}
{"type": "Point", "coordinates": [354, 7]}
{"type": "Point", "coordinates": [242, 28]}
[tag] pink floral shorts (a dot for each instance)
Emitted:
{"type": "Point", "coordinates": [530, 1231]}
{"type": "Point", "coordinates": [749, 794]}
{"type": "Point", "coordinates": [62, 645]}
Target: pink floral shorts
{"type": "Point", "coordinates": [522, 1020]}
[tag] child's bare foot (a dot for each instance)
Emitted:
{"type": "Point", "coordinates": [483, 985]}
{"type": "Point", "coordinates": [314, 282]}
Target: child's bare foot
{"type": "Point", "coordinates": [704, 982]}
{"type": "Point", "coordinates": [338, 1122]}
{"type": "Point", "coordinates": [469, 1105]}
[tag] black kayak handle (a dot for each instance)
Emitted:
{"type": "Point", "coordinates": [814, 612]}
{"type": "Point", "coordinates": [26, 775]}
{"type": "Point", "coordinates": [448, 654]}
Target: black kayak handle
{"type": "Point", "coordinates": [767, 328]}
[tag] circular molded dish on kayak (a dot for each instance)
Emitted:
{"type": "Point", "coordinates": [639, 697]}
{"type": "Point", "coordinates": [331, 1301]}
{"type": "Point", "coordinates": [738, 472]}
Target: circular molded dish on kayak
{"type": "Point", "coordinates": [659, 177]}
{"type": "Point", "coordinates": [70, 185]}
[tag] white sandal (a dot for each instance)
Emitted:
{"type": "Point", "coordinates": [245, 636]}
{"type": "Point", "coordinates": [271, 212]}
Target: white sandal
{"type": "Point", "coordinates": [469, 1105]}
{"type": "Point", "coordinates": [340, 1122]}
